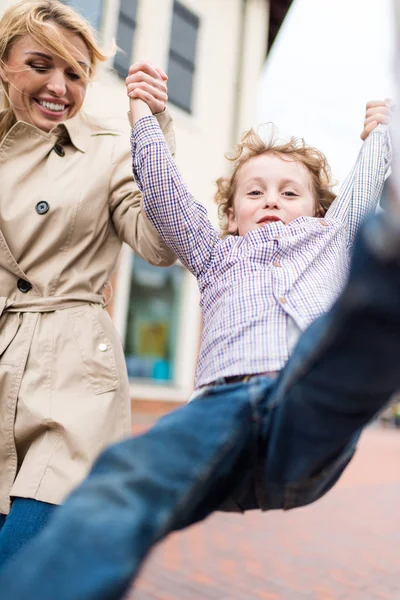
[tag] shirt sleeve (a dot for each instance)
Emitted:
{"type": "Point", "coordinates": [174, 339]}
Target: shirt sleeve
{"type": "Point", "coordinates": [125, 202]}
{"type": "Point", "coordinates": [362, 189]}
{"type": "Point", "coordinates": [180, 220]}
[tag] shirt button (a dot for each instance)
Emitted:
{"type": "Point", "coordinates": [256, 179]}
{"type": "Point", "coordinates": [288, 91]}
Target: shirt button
{"type": "Point", "coordinates": [42, 207]}
{"type": "Point", "coordinates": [282, 300]}
{"type": "Point", "coordinates": [24, 286]}
{"type": "Point", "coordinates": [277, 264]}
{"type": "Point", "coordinates": [102, 347]}
{"type": "Point", "coordinates": [323, 222]}
{"type": "Point", "coordinates": [276, 237]}
{"type": "Point", "coordinates": [58, 149]}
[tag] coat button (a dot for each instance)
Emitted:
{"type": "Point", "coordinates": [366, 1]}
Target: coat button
{"type": "Point", "coordinates": [42, 207]}
{"type": "Point", "coordinates": [24, 286]}
{"type": "Point", "coordinates": [58, 149]}
{"type": "Point", "coordinates": [102, 347]}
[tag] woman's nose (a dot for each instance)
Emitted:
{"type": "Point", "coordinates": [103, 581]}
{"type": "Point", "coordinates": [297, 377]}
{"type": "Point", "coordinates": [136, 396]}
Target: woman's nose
{"type": "Point", "coordinates": [57, 84]}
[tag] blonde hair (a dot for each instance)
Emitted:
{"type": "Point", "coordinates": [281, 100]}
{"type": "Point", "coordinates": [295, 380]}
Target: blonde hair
{"type": "Point", "coordinates": [250, 146]}
{"type": "Point", "coordinates": [33, 17]}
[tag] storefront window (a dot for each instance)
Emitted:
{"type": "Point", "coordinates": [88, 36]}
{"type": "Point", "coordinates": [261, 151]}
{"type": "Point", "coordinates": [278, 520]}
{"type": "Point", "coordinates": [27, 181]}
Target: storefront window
{"type": "Point", "coordinates": [152, 326]}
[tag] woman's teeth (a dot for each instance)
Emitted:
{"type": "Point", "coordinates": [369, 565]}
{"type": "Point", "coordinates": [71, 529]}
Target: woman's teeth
{"type": "Point", "coordinates": [52, 106]}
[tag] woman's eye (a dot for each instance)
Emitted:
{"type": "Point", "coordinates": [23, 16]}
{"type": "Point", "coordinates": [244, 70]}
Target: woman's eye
{"type": "Point", "coordinates": [39, 68]}
{"type": "Point", "coordinates": [73, 76]}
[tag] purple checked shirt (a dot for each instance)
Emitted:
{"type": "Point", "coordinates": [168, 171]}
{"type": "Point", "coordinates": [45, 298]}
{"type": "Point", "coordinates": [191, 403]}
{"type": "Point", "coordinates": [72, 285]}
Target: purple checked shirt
{"type": "Point", "coordinates": [252, 286]}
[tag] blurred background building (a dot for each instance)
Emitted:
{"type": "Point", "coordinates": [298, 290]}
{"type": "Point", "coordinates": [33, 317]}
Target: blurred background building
{"type": "Point", "coordinates": [213, 52]}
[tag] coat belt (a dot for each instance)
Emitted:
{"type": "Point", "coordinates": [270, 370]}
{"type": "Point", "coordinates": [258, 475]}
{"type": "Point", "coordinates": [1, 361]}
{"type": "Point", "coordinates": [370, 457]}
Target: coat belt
{"type": "Point", "coordinates": [48, 303]}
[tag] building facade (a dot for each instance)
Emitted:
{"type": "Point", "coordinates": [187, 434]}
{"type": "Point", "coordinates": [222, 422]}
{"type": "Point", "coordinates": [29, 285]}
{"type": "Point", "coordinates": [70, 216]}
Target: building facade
{"type": "Point", "coordinates": [213, 52]}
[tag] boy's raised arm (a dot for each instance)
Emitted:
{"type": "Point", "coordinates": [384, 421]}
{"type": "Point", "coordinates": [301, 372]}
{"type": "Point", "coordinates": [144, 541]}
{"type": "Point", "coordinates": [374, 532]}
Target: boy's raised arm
{"type": "Point", "coordinates": [377, 111]}
{"type": "Point", "coordinates": [180, 220]}
{"type": "Point", "coordinates": [362, 189]}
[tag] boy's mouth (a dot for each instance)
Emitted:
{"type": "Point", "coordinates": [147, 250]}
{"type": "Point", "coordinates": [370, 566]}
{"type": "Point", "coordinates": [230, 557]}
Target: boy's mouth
{"type": "Point", "coordinates": [269, 219]}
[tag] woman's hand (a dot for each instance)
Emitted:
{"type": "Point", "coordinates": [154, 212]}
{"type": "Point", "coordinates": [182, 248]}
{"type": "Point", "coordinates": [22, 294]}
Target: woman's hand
{"type": "Point", "coordinates": [377, 111]}
{"type": "Point", "coordinates": [148, 83]}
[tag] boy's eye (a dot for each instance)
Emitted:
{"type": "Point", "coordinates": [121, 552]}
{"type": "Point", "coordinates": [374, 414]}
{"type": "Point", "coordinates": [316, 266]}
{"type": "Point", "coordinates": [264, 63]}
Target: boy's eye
{"type": "Point", "coordinates": [255, 193]}
{"type": "Point", "coordinates": [290, 194]}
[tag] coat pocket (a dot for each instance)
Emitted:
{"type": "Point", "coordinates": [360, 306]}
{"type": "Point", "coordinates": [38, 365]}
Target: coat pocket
{"type": "Point", "coordinates": [95, 349]}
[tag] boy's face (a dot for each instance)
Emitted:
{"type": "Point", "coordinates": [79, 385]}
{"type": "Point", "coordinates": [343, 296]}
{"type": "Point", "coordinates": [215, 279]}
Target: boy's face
{"type": "Point", "coordinates": [270, 188]}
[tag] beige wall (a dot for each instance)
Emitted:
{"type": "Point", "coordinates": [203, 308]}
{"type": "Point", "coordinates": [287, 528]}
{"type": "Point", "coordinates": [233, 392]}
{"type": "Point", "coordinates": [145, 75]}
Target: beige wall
{"type": "Point", "coordinates": [231, 50]}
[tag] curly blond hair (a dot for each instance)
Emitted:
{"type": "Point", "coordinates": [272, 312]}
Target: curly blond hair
{"type": "Point", "coordinates": [250, 146]}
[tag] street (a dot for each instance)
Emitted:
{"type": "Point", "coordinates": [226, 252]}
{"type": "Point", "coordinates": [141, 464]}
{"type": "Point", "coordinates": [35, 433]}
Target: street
{"type": "Point", "coordinates": [344, 547]}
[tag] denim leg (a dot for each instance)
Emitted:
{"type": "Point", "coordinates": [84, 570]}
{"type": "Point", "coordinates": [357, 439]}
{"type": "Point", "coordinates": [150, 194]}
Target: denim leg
{"type": "Point", "coordinates": [137, 492]}
{"type": "Point", "coordinates": [25, 520]}
{"type": "Point", "coordinates": [343, 371]}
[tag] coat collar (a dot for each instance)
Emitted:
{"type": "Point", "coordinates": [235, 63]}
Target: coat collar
{"type": "Point", "coordinates": [81, 128]}
{"type": "Point", "coordinates": [77, 130]}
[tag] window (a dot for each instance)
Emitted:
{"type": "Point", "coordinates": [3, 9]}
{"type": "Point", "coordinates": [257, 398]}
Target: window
{"type": "Point", "coordinates": [153, 316]}
{"type": "Point", "coordinates": [182, 54]}
{"type": "Point", "coordinates": [92, 10]}
{"type": "Point", "coordinates": [125, 32]}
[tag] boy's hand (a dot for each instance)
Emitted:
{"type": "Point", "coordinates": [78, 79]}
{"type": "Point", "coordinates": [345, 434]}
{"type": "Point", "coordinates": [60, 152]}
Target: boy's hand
{"type": "Point", "coordinates": [377, 111]}
{"type": "Point", "coordinates": [146, 82]}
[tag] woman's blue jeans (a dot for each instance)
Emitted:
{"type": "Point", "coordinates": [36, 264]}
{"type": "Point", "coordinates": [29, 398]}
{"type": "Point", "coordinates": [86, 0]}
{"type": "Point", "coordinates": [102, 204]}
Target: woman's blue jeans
{"type": "Point", "coordinates": [26, 519]}
{"type": "Point", "coordinates": [272, 444]}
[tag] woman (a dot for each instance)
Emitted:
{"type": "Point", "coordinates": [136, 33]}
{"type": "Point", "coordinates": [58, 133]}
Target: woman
{"type": "Point", "coordinates": [67, 202]}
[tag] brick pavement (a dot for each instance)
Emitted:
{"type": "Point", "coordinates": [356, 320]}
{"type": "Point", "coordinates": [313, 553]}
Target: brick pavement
{"type": "Point", "coordinates": [344, 547]}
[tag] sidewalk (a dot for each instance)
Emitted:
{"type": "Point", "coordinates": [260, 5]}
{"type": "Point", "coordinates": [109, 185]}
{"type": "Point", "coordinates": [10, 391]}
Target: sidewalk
{"type": "Point", "coordinates": [344, 547]}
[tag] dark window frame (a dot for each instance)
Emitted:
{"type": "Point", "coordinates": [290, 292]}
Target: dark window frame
{"type": "Point", "coordinates": [186, 64]}
{"type": "Point", "coordinates": [120, 59]}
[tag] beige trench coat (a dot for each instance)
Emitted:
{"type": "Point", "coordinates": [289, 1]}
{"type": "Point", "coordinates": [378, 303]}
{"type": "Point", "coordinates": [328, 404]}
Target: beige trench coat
{"type": "Point", "coordinates": [67, 202]}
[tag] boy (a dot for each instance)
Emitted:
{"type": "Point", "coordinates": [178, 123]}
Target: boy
{"type": "Point", "coordinates": [263, 441]}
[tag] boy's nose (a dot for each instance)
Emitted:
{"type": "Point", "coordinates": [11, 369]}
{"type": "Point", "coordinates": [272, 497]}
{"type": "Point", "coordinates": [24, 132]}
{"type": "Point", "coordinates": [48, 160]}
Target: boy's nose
{"type": "Point", "coordinates": [272, 201]}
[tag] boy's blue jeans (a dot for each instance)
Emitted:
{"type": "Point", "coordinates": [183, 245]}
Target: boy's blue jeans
{"type": "Point", "coordinates": [266, 443]}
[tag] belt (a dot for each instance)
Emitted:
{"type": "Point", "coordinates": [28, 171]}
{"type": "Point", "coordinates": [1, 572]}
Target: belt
{"type": "Point", "coordinates": [244, 378]}
{"type": "Point", "coordinates": [40, 305]}
{"type": "Point", "coordinates": [48, 303]}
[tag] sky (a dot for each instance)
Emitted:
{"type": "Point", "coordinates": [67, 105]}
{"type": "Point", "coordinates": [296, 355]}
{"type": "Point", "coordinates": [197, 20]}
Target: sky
{"type": "Point", "coordinates": [329, 59]}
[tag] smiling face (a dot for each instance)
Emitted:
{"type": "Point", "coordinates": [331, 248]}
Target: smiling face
{"type": "Point", "coordinates": [43, 89]}
{"type": "Point", "coordinates": [270, 188]}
